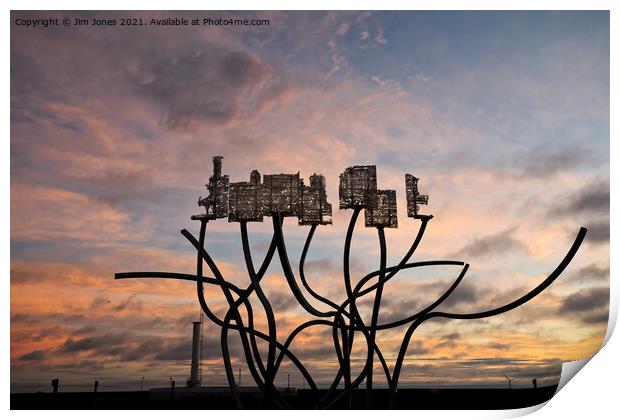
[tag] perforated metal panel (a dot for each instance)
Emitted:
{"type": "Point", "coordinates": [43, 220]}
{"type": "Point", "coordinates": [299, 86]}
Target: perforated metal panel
{"type": "Point", "coordinates": [414, 198]}
{"type": "Point", "coordinates": [281, 194]}
{"type": "Point", "coordinates": [384, 214]}
{"type": "Point", "coordinates": [314, 207]}
{"type": "Point", "coordinates": [216, 202]}
{"type": "Point", "coordinates": [358, 187]}
{"type": "Point", "coordinates": [245, 201]}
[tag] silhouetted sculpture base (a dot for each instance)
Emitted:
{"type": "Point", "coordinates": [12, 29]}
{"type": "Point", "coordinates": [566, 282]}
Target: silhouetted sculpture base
{"type": "Point", "coordinates": [407, 399]}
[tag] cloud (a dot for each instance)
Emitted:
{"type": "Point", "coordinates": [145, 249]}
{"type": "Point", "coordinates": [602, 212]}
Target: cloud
{"type": "Point", "coordinates": [138, 185]}
{"type": "Point", "coordinates": [593, 198]}
{"type": "Point", "coordinates": [338, 61]}
{"type": "Point", "coordinates": [177, 352]}
{"type": "Point", "coordinates": [79, 366]}
{"type": "Point", "coordinates": [448, 340]}
{"type": "Point", "coordinates": [128, 347]}
{"type": "Point", "coordinates": [281, 301]}
{"type": "Point", "coordinates": [25, 273]}
{"type": "Point", "coordinates": [99, 302]}
{"type": "Point", "coordinates": [601, 317]}
{"type": "Point", "coordinates": [213, 83]}
{"type": "Point", "coordinates": [36, 356]}
{"type": "Point", "coordinates": [316, 350]}
{"type": "Point", "coordinates": [343, 29]}
{"type": "Point", "coordinates": [132, 303]}
{"type": "Point", "coordinates": [63, 214]}
{"type": "Point", "coordinates": [498, 243]}
{"type": "Point", "coordinates": [380, 37]}
{"type": "Point", "coordinates": [598, 232]}
{"type": "Point", "coordinates": [324, 264]}
{"type": "Point", "coordinates": [420, 77]}
{"type": "Point", "coordinates": [394, 309]}
{"type": "Point", "coordinates": [499, 346]}
{"type": "Point", "coordinates": [543, 162]}
{"type": "Point", "coordinates": [90, 343]}
{"type": "Point", "coordinates": [585, 300]}
{"type": "Point", "coordinates": [418, 349]}
{"type": "Point", "coordinates": [464, 294]}
{"type": "Point", "coordinates": [389, 85]}
{"type": "Point", "coordinates": [589, 273]}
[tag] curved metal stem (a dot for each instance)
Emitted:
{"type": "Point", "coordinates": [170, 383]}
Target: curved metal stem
{"type": "Point", "coordinates": [241, 292]}
{"type": "Point", "coordinates": [347, 337]}
{"type": "Point", "coordinates": [375, 311]}
{"type": "Point", "coordinates": [288, 272]}
{"type": "Point", "coordinates": [271, 321]}
{"type": "Point", "coordinates": [224, 339]}
{"type": "Point", "coordinates": [233, 312]}
{"type": "Point", "coordinates": [477, 315]}
{"type": "Point", "coordinates": [344, 323]}
{"type": "Point", "coordinates": [302, 275]}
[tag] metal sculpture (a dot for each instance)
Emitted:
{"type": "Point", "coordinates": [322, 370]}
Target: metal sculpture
{"type": "Point", "coordinates": [414, 198]}
{"type": "Point", "coordinates": [285, 195]}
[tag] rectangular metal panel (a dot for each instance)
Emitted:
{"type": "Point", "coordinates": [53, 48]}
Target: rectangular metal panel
{"type": "Point", "coordinates": [281, 194]}
{"type": "Point", "coordinates": [385, 213]}
{"type": "Point", "coordinates": [414, 198]}
{"type": "Point", "coordinates": [314, 208]}
{"type": "Point", "coordinates": [358, 187]}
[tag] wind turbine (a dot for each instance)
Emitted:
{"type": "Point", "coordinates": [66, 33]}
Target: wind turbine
{"type": "Point", "coordinates": [509, 381]}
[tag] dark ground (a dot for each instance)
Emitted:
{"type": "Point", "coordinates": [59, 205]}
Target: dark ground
{"type": "Point", "coordinates": [411, 399]}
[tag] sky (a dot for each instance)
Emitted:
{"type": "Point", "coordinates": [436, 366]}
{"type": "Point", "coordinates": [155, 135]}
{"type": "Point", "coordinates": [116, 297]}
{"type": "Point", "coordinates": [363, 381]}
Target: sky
{"type": "Point", "coordinates": [504, 117]}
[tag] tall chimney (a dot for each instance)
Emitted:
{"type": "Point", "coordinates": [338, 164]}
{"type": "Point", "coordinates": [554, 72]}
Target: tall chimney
{"type": "Point", "coordinates": [195, 379]}
{"type": "Point", "coordinates": [217, 166]}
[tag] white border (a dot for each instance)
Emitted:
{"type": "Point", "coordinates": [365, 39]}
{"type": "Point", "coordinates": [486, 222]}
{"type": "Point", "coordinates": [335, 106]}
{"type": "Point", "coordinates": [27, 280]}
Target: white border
{"type": "Point", "coordinates": [592, 393]}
